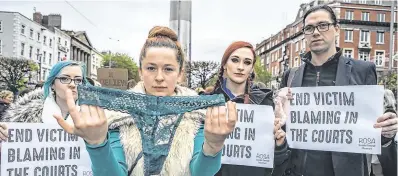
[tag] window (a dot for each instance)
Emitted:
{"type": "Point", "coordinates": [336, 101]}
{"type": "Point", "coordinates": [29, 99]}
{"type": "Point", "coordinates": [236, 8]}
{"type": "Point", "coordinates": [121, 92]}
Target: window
{"type": "Point", "coordinates": [296, 62]}
{"type": "Point", "coordinates": [30, 52]}
{"type": "Point", "coordinates": [51, 42]}
{"type": "Point", "coordinates": [303, 46]}
{"type": "Point", "coordinates": [59, 40]}
{"type": "Point", "coordinates": [348, 35]}
{"type": "Point", "coordinates": [395, 19]}
{"type": "Point", "coordinates": [66, 43]}
{"type": "Point", "coordinates": [44, 57]}
{"type": "Point", "coordinates": [31, 33]}
{"type": "Point", "coordinates": [297, 46]}
{"type": "Point", "coordinates": [1, 47]}
{"type": "Point", "coordinates": [347, 0]}
{"type": "Point", "coordinates": [1, 26]}
{"type": "Point", "coordinates": [365, 36]}
{"type": "Point", "coordinates": [365, 16]}
{"type": "Point", "coordinates": [44, 40]}
{"type": "Point", "coordinates": [22, 49]}
{"type": "Point", "coordinates": [50, 56]}
{"type": "Point", "coordinates": [380, 37]}
{"type": "Point", "coordinates": [378, 2]}
{"type": "Point", "coordinates": [38, 54]}
{"type": "Point", "coordinates": [379, 58]}
{"type": "Point", "coordinates": [59, 56]}
{"type": "Point", "coordinates": [362, 1]}
{"type": "Point", "coordinates": [38, 37]}
{"type": "Point", "coordinates": [349, 15]}
{"type": "Point", "coordinates": [364, 55]}
{"type": "Point", "coordinates": [348, 53]}
{"type": "Point", "coordinates": [44, 74]}
{"type": "Point", "coordinates": [22, 29]}
{"type": "Point", "coordinates": [381, 17]}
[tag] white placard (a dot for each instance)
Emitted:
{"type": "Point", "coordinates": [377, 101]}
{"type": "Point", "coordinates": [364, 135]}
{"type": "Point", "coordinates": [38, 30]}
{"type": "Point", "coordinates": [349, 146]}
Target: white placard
{"type": "Point", "coordinates": [252, 141]}
{"type": "Point", "coordinates": [43, 149]}
{"type": "Point", "coordinates": [338, 118]}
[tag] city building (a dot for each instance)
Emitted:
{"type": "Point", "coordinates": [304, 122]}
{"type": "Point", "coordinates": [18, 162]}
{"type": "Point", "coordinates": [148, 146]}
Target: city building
{"type": "Point", "coordinates": [21, 37]}
{"type": "Point", "coordinates": [96, 59]}
{"type": "Point", "coordinates": [364, 34]}
{"type": "Point", "coordinates": [43, 41]}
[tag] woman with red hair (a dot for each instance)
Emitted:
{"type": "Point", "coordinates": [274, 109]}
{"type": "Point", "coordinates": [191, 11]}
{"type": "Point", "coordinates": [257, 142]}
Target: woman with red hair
{"type": "Point", "coordinates": [234, 81]}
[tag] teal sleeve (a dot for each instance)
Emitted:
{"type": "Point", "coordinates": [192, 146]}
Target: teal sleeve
{"type": "Point", "coordinates": [202, 165]}
{"type": "Point", "coordinates": [108, 158]}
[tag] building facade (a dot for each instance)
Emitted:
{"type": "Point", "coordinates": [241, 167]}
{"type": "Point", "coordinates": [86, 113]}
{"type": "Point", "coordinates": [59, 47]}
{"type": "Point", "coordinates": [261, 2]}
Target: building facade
{"type": "Point", "coordinates": [364, 34]}
{"type": "Point", "coordinates": [96, 59]}
{"type": "Point", "coordinates": [21, 37]}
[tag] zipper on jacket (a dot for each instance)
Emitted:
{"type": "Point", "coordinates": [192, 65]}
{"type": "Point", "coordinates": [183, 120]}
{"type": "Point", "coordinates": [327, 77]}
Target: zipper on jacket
{"type": "Point", "coordinates": [317, 78]}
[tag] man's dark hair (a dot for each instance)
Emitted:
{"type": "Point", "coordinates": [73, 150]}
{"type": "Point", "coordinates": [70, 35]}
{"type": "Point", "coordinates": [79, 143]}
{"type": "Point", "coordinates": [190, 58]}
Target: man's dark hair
{"type": "Point", "coordinates": [322, 7]}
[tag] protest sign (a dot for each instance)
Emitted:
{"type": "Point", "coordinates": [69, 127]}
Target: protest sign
{"type": "Point", "coordinates": [38, 149]}
{"type": "Point", "coordinates": [338, 118]}
{"type": "Point", "coordinates": [115, 78]}
{"type": "Point", "coordinates": [252, 141]}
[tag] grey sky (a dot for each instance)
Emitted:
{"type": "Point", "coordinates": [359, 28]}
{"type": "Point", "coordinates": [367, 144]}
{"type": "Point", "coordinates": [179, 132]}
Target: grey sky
{"type": "Point", "coordinates": [215, 23]}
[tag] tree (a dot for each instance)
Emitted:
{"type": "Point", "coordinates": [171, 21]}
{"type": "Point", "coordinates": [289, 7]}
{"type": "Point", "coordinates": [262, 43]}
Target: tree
{"type": "Point", "coordinates": [122, 61]}
{"type": "Point", "coordinates": [202, 71]}
{"type": "Point", "coordinates": [391, 82]}
{"type": "Point", "coordinates": [15, 72]}
{"type": "Point", "coordinates": [262, 75]}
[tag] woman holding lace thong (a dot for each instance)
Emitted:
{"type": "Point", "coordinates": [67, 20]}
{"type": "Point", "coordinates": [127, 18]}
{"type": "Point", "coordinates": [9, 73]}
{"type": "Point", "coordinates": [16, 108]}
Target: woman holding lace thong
{"type": "Point", "coordinates": [234, 82]}
{"type": "Point", "coordinates": [125, 149]}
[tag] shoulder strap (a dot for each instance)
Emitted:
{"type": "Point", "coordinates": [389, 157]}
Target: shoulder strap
{"type": "Point", "coordinates": [292, 72]}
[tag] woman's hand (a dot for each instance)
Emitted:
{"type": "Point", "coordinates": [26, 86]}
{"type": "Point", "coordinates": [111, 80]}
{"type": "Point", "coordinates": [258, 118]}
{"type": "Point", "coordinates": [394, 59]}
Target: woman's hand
{"type": "Point", "coordinates": [218, 127]}
{"type": "Point", "coordinates": [282, 104]}
{"type": "Point", "coordinates": [90, 123]}
{"type": "Point", "coordinates": [3, 132]}
{"type": "Point", "coordinates": [279, 134]}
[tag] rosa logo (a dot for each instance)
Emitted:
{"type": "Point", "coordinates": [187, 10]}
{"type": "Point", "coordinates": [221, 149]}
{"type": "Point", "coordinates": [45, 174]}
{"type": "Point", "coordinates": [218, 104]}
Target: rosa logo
{"type": "Point", "coordinates": [262, 158]}
{"type": "Point", "coordinates": [367, 141]}
{"type": "Point", "coordinates": [87, 173]}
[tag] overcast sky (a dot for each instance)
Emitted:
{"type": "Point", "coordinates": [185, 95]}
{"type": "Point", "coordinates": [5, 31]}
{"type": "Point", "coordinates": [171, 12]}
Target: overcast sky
{"type": "Point", "coordinates": [215, 23]}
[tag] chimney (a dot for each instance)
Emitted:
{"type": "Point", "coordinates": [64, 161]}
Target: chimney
{"type": "Point", "coordinates": [37, 17]}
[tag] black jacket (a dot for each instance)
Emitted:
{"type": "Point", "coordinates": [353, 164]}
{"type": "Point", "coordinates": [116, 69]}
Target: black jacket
{"type": "Point", "coordinates": [260, 97]}
{"type": "Point", "coordinates": [348, 72]}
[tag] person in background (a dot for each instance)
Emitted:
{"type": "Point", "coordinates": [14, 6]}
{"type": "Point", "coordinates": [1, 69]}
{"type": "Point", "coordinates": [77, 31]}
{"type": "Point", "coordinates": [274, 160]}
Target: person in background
{"type": "Point", "coordinates": [234, 82]}
{"type": "Point", "coordinates": [6, 98]}
{"type": "Point", "coordinates": [114, 142]}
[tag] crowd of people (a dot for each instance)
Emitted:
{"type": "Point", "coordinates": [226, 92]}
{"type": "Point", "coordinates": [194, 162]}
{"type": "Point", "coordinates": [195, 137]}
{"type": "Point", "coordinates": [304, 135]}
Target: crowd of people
{"type": "Point", "coordinates": [115, 143]}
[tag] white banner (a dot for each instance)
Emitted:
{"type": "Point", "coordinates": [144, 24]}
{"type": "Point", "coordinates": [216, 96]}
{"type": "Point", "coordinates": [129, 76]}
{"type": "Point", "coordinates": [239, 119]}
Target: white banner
{"type": "Point", "coordinates": [252, 141]}
{"type": "Point", "coordinates": [38, 149]}
{"type": "Point", "coordinates": [338, 118]}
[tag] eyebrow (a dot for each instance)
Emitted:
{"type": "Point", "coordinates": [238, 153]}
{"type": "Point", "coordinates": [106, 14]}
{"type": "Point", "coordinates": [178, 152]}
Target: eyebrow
{"type": "Point", "coordinates": [166, 65]}
{"type": "Point", "coordinates": [319, 23]}
{"type": "Point", "coordinates": [239, 57]}
{"type": "Point", "coordinates": [65, 75]}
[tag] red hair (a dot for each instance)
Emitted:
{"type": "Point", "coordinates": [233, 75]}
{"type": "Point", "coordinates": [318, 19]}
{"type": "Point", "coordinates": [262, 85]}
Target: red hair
{"type": "Point", "coordinates": [231, 48]}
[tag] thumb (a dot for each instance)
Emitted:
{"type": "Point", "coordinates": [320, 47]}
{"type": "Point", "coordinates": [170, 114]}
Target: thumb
{"type": "Point", "coordinates": [67, 127]}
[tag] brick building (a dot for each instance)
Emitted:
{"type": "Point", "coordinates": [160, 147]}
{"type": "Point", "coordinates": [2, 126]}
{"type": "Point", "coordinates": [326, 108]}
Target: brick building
{"type": "Point", "coordinates": [364, 34]}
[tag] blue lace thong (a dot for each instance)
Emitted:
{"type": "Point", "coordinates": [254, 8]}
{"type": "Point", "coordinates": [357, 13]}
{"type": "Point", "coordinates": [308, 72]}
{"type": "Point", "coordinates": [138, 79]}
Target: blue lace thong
{"type": "Point", "coordinates": [157, 118]}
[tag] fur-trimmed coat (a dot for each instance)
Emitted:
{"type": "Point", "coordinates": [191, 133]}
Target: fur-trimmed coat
{"type": "Point", "coordinates": [181, 151]}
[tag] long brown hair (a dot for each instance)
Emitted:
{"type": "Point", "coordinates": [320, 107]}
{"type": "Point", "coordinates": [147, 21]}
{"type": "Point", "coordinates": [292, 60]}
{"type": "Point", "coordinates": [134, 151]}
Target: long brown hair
{"type": "Point", "coordinates": [160, 36]}
{"type": "Point", "coordinates": [231, 48]}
